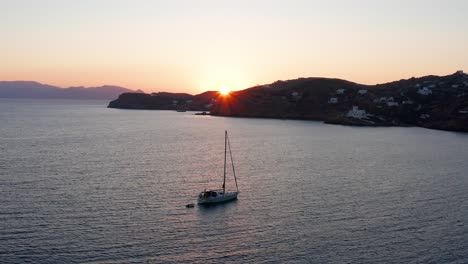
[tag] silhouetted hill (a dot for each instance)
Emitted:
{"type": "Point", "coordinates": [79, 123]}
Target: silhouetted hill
{"type": "Point", "coordinates": [165, 101]}
{"type": "Point", "coordinates": [430, 101]}
{"type": "Point", "coordinates": [439, 102]}
{"type": "Point", "coordinates": [28, 89]}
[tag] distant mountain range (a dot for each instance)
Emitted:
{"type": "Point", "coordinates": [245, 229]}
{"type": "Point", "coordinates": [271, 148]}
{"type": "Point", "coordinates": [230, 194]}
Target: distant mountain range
{"type": "Point", "coordinates": [438, 102]}
{"type": "Point", "coordinates": [29, 89]}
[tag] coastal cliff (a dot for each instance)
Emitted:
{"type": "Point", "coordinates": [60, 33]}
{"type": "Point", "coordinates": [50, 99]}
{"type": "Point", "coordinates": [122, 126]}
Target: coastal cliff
{"type": "Point", "coordinates": [438, 102]}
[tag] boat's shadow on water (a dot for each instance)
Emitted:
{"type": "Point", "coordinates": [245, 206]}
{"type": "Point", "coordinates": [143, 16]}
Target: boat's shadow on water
{"type": "Point", "coordinates": [217, 207]}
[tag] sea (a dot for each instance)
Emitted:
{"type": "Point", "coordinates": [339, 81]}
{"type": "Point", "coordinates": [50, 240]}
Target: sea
{"type": "Point", "coordinates": [82, 183]}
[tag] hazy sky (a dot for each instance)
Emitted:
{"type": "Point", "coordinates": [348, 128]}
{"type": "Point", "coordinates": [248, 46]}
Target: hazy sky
{"type": "Point", "coordinates": [194, 46]}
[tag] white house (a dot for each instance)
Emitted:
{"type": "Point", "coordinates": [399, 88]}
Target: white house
{"type": "Point", "coordinates": [333, 100]}
{"type": "Point", "coordinates": [340, 91]}
{"type": "Point", "coordinates": [362, 92]}
{"type": "Point", "coordinates": [392, 103]}
{"type": "Point", "coordinates": [424, 116]}
{"type": "Point", "coordinates": [295, 95]}
{"type": "Point", "coordinates": [425, 91]}
{"type": "Point", "coordinates": [357, 113]}
{"type": "Point", "coordinates": [386, 99]}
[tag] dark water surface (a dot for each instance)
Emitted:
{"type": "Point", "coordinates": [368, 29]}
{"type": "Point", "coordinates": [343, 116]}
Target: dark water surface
{"type": "Point", "coordinates": [80, 183]}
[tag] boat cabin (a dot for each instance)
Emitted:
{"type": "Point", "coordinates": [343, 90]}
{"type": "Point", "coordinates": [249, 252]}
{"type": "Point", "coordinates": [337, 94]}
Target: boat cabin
{"type": "Point", "coordinates": [209, 194]}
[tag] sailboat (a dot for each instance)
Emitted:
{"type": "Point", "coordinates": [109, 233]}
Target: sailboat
{"type": "Point", "coordinates": [220, 195]}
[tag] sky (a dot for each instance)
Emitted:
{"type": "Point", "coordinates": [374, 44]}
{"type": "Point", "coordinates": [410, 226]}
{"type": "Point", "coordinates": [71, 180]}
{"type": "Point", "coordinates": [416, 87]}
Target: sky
{"type": "Point", "coordinates": [199, 45]}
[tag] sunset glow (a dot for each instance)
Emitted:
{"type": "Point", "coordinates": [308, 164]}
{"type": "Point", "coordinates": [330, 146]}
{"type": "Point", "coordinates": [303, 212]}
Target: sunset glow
{"type": "Point", "coordinates": [224, 91]}
{"type": "Point", "coordinates": [196, 46]}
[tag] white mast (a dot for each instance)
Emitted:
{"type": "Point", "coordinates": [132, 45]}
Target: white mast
{"type": "Point", "coordinates": [232, 162]}
{"type": "Point", "coordinates": [224, 177]}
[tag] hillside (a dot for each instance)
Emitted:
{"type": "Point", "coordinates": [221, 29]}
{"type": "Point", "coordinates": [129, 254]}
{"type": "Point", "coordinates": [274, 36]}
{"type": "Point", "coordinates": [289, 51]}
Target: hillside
{"type": "Point", "coordinates": [165, 101]}
{"type": "Point", "coordinates": [439, 102]}
{"type": "Point", "coordinates": [431, 101]}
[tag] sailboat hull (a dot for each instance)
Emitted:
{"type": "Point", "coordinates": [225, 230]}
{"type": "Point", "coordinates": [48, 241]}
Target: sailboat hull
{"type": "Point", "coordinates": [219, 198]}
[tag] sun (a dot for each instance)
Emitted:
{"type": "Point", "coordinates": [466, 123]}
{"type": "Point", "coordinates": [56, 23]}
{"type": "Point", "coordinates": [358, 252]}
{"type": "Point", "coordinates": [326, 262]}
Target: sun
{"type": "Point", "coordinates": [224, 91]}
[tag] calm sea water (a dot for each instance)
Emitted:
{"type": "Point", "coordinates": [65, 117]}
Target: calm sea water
{"type": "Point", "coordinates": [80, 183]}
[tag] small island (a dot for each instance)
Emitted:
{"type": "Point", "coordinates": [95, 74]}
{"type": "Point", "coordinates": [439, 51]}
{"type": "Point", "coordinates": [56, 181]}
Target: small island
{"type": "Point", "coordinates": [437, 102]}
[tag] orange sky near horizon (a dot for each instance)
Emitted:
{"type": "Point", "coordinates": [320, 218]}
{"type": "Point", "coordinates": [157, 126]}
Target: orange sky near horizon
{"type": "Point", "coordinates": [195, 46]}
